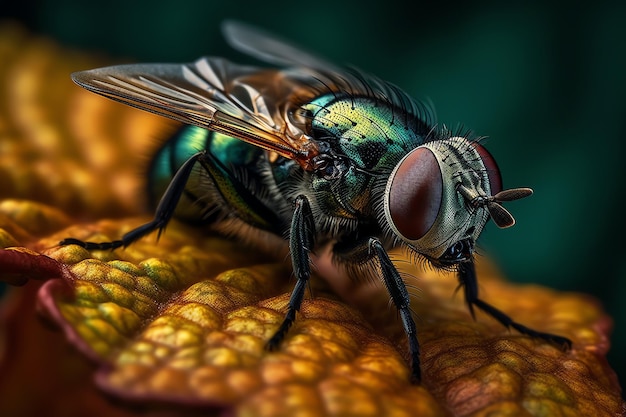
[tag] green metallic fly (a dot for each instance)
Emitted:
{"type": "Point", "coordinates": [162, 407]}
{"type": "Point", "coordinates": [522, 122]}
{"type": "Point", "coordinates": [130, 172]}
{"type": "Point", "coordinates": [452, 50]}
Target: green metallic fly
{"type": "Point", "coordinates": [321, 155]}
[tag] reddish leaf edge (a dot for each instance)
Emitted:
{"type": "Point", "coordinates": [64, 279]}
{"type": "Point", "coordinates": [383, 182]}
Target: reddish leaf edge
{"type": "Point", "coordinates": [18, 265]}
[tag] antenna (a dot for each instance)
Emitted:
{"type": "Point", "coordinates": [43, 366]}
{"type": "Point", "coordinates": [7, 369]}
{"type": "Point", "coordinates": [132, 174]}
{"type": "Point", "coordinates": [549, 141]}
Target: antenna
{"type": "Point", "coordinates": [501, 216]}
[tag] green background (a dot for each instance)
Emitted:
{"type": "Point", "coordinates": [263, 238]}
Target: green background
{"type": "Point", "coordinates": [545, 81]}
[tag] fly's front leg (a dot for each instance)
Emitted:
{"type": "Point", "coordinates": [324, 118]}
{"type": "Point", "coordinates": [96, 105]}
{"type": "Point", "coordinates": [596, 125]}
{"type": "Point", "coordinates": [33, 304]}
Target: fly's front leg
{"type": "Point", "coordinates": [400, 297]}
{"type": "Point", "coordinates": [163, 213]}
{"type": "Point", "coordinates": [368, 249]}
{"type": "Point", "coordinates": [467, 279]}
{"type": "Point", "coordinates": [301, 241]}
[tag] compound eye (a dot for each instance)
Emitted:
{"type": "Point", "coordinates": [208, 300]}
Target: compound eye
{"type": "Point", "coordinates": [415, 194]}
{"type": "Point", "coordinates": [493, 172]}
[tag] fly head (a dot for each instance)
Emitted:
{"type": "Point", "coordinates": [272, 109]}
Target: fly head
{"type": "Point", "coordinates": [440, 195]}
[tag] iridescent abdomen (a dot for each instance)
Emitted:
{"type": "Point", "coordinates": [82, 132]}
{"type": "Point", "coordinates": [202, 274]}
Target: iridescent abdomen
{"type": "Point", "coordinates": [227, 185]}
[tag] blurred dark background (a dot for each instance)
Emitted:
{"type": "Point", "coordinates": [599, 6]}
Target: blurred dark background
{"type": "Point", "coordinates": [546, 81]}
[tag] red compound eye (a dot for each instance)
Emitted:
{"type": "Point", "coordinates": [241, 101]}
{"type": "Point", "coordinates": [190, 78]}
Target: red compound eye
{"type": "Point", "coordinates": [493, 172]}
{"type": "Point", "coordinates": [415, 194]}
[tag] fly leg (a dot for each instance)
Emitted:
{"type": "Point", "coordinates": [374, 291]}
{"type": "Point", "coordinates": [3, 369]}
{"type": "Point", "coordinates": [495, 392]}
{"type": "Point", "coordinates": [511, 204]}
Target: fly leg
{"type": "Point", "coordinates": [368, 249]}
{"type": "Point", "coordinates": [163, 213]}
{"type": "Point", "coordinates": [467, 279]}
{"type": "Point", "coordinates": [301, 241]}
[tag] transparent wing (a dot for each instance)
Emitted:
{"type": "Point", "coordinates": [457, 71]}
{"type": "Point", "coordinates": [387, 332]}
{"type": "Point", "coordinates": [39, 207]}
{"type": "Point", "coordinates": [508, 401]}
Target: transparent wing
{"type": "Point", "coordinates": [244, 102]}
{"type": "Point", "coordinates": [270, 48]}
{"type": "Point", "coordinates": [259, 106]}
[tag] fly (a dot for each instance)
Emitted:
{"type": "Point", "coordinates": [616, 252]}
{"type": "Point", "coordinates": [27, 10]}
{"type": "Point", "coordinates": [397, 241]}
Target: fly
{"type": "Point", "coordinates": [320, 154]}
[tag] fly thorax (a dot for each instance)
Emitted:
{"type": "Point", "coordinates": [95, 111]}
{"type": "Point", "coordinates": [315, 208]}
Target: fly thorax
{"type": "Point", "coordinates": [369, 132]}
{"type": "Point", "coordinates": [355, 135]}
{"type": "Point", "coordinates": [429, 198]}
